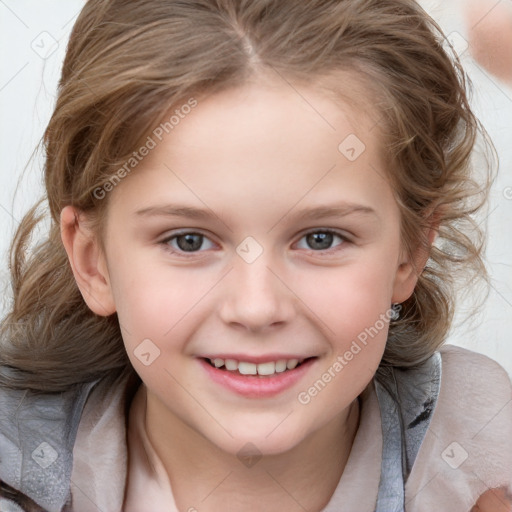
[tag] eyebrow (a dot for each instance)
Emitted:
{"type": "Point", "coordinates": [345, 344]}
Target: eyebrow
{"type": "Point", "coordinates": [341, 210]}
{"type": "Point", "coordinates": [312, 213]}
{"type": "Point", "coordinates": [170, 210]}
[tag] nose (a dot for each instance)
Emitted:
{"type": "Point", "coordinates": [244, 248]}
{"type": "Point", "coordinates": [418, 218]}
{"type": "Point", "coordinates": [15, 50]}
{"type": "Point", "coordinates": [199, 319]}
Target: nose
{"type": "Point", "coordinates": [255, 297]}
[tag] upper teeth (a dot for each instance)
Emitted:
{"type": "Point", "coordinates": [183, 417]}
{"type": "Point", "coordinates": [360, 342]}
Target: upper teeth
{"type": "Point", "coordinates": [252, 368]}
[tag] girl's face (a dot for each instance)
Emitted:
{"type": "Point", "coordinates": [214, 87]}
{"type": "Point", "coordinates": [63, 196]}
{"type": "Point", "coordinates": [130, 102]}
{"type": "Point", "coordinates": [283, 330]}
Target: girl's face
{"type": "Point", "coordinates": [261, 228]}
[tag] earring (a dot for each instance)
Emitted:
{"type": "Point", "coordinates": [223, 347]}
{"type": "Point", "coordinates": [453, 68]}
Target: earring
{"type": "Point", "coordinates": [394, 312]}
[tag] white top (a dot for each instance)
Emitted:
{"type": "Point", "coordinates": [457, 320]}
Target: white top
{"type": "Point", "coordinates": [150, 490]}
{"type": "Point", "coordinates": [466, 451]}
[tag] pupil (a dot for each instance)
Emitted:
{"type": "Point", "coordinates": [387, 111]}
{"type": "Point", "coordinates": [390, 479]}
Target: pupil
{"type": "Point", "coordinates": [190, 244]}
{"type": "Point", "coordinates": [324, 239]}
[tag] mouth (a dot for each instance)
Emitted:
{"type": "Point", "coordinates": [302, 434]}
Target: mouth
{"type": "Point", "coordinates": [262, 378]}
{"type": "Point", "coordinates": [248, 369]}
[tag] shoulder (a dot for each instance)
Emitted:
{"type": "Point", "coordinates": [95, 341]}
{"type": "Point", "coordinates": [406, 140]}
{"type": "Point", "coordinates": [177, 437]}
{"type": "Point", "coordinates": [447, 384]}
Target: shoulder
{"type": "Point", "coordinates": [65, 422]}
{"type": "Point", "coordinates": [465, 370]}
{"type": "Point", "coordinates": [467, 448]}
{"type": "Point", "coordinates": [475, 397]}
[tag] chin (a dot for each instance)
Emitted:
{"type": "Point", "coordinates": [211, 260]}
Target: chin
{"type": "Point", "coordinates": [257, 444]}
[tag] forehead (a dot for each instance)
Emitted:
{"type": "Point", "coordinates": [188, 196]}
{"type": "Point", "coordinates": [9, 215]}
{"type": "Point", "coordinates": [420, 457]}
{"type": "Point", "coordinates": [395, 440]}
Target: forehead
{"type": "Point", "coordinates": [265, 142]}
{"type": "Point", "coordinates": [324, 109]}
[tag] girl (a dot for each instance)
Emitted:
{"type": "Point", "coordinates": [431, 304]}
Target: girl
{"type": "Point", "coordinates": [259, 212]}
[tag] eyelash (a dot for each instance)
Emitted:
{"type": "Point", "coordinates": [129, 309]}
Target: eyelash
{"type": "Point", "coordinates": [185, 254]}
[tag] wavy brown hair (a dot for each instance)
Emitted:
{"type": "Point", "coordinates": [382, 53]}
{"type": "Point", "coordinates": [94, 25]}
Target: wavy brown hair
{"type": "Point", "coordinates": [127, 63]}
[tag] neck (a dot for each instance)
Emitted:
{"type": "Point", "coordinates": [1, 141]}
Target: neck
{"type": "Point", "coordinates": [208, 479]}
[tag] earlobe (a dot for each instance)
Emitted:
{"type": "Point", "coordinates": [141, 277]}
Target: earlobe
{"type": "Point", "coordinates": [410, 268]}
{"type": "Point", "coordinates": [87, 261]}
{"type": "Point", "coordinates": [406, 278]}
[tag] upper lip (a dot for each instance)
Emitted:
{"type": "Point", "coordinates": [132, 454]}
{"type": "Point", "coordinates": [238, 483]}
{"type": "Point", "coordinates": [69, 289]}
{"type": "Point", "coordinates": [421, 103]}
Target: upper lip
{"type": "Point", "coordinates": [257, 359]}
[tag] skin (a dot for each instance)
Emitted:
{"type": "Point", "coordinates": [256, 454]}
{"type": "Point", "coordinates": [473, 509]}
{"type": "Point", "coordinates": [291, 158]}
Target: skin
{"type": "Point", "coordinates": [490, 35]}
{"type": "Point", "coordinates": [494, 500]}
{"type": "Point", "coordinates": [253, 157]}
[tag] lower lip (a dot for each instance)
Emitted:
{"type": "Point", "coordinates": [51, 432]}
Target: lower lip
{"type": "Point", "coordinates": [255, 386]}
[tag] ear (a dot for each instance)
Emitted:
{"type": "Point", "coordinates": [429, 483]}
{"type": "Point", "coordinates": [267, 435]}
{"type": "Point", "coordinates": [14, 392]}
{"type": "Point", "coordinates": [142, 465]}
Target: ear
{"type": "Point", "coordinates": [410, 267]}
{"type": "Point", "coordinates": [87, 261]}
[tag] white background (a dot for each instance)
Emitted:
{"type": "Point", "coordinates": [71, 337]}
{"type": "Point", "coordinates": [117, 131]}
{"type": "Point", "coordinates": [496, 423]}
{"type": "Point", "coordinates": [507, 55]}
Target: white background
{"type": "Point", "coordinates": [29, 71]}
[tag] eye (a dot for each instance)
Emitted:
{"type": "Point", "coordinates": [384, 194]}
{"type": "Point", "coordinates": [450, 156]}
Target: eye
{"type": "Point", "coordinates": [321, 240]}
{"type": "Point", "coordinates": [192, 242]}
{"type": "Point", "coordinates": [185, 242]}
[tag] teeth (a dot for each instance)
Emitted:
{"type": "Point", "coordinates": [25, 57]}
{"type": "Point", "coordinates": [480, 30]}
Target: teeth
{"type": "Point", "coordinates": [280, 365]}
{"type": "Point", "coordinates": [292, 363]}
{"type": "Point", "coordinates": [245, 368]}
{"type": "Point", "coordinates": [266, 368]}
{"type": "Point", "coordinates": [231, 364]}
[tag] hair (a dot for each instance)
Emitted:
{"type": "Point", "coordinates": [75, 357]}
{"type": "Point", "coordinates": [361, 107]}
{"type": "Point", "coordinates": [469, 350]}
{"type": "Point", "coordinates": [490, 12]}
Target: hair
{"type": "Point", "coordinates": [128, 63]}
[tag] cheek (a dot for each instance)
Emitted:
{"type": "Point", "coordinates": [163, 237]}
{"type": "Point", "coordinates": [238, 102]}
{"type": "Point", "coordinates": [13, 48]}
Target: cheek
{"type": "Point", "coordinates": [148, 301]}
{"type": "Point", "coordinates": [153, 309]}
{"type": "Point", "coordinates": [155, 301]}
{"type": "Point", "coordinates": [351, 297]}
{"type": "Point", "coordinates": [353, 307]}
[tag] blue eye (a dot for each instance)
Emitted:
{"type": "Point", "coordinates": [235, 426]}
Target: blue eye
{"type": "Point", "coordinates": [185, 242]}
{"type": "Point", "coordinates": [321, 240]}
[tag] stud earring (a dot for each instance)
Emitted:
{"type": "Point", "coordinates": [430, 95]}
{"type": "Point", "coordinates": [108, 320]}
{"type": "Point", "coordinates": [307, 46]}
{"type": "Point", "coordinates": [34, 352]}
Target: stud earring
{"type": "Point", "coordinates": [394, 312]}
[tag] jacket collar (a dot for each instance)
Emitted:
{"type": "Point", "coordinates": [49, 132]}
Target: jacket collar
{"type": "Point", "coordinates": [37, 434]}
{"type": "Point", "coordinates": [407, 399]}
